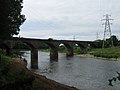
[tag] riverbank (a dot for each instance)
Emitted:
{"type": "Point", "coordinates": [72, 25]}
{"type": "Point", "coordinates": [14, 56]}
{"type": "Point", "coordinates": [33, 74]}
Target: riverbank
{"type": "Point", "coordinates": [112, 53]}
{"type": "Point", "coordinates": [27, 80]}
{"type": "Point", "coordinates": [92, 56]}
{"type": "Point", "coordinates": [42, 83]}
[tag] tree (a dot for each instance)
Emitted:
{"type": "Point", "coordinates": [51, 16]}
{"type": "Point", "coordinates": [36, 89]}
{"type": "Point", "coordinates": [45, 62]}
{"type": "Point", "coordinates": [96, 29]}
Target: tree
{"type": "Point", "coordinates": [10, 18]}
{"type": "Point", "coordinates": [112, 41]}
{"type": "Point", "coordinates": [99, 43]}
{"type": "Point", "coordinates": [115, 40]}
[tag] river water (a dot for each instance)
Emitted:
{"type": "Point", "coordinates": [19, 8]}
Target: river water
{"type": "Point", "coordinates": [82, 73]}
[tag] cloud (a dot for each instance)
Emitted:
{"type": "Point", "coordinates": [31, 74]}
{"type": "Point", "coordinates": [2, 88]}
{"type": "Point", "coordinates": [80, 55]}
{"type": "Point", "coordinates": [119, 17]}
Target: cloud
{"type": "Point", "coordinates": [65, 18]}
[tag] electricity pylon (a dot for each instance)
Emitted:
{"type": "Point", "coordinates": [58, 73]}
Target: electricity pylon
{"type": "Point", "coordinates": [107, 30]}
{"type": "Point", "coordinates": [97, 36]}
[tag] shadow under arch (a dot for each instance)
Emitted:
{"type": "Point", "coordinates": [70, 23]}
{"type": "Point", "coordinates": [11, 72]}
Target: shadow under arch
{"type": "Point", "coordinates": [6, 48]}
{"type": "Point", "coordinates": [82, 46]}
{"type": "Point", "coordinates": [53, 51]}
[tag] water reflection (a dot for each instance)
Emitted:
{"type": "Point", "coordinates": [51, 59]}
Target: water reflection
{"type": "Point", "coordinates": [83, 73]}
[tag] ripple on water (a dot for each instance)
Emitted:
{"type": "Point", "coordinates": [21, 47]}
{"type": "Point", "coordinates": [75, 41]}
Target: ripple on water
{"type": "Point", "coordinates": [83, 73]}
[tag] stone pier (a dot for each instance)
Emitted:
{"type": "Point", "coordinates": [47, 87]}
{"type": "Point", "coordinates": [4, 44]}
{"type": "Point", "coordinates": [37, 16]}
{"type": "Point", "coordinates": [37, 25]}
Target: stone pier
{"type": "Point", "coordinates": [69, 52]}
{"type": "Point", "coordinates": [54, 54]}
{"type": "Point", "coordinates": [34, 58]}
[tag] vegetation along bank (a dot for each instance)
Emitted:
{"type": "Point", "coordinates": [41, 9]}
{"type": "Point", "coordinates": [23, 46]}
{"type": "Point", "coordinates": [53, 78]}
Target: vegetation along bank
{"type": "Point", "coordinates": [15, 76]}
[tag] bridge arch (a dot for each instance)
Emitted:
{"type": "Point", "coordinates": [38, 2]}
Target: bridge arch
{"type": "Point", "coordinates": [69, 48]}
{"type": "Point", "coordinates": [34, 52]}
{"type": "Point", "coordinates": [82, 46]}
{"type": "Point", "coordinates": [53, 44]}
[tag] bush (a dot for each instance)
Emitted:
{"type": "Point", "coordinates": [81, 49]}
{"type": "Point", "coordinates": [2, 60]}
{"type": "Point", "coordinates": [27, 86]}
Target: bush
{"type": "Point", "coordinates": [114, 79]}
{"type": "Point", "coordinates": [4, 62]}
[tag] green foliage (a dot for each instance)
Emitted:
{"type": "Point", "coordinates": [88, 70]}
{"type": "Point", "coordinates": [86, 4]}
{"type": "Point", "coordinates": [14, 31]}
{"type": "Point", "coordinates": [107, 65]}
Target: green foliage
{"type": "Point", "coordinates": [114, 79]}
{"type": "Point", "coordinates": [77, 50]}
{"type": "Point", "coordinates": [62, 49]}
{"type": "Point", "coordinates": [113, 52]}
{"type": "Point", "coordinates": [115, 40]}
{"type": "Point", "coordinates": [99, 43]}
{"type": "Point", "coordinates": [2, 52]}
{"type": "Point", "coordinates": [8, 76]}
{"type": "Point", "coordinates": [10, 18]}
{"type": "Point", "coordinates": [108, 42]}
{"type": "Point", "coordinates": [4, 62]}
{"type": "Point", "coordinates": [4, 65]}
{"type": "Point", "coordinates": [118, 43]}
{"type": "Point", "coordinates": [45, 50]}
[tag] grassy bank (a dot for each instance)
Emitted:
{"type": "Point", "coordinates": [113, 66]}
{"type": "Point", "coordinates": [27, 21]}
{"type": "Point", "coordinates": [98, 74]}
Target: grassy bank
{"type": "Point", "coordinates": [4, 63]}
{"type": "Point", "coordinates": [13, 76]}
{"type": "Point", "coordinates": [113, 52]}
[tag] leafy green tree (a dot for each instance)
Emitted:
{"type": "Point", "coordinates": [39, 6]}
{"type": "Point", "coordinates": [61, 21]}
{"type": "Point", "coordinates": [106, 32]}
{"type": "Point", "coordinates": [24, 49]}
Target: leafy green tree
{"type": "Point", "coordinates": [115, 40]}
{"type": "Point", "coordinates": [10, 18]}
{"type": "Point", "coordinates": [112, 40]}
{"type": "Point", "coordinates": [99, 43]}
{"type": "Point", "coordinates": [118, 43]}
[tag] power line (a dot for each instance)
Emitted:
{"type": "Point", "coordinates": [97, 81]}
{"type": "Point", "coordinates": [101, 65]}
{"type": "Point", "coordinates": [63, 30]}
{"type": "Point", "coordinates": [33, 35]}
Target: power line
{"type": "Point", "coordinates": [107, 29]}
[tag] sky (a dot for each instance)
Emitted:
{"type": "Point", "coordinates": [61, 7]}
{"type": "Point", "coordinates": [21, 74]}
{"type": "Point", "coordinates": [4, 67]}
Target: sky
{"type": "Point", "coordinates": [69, 19]}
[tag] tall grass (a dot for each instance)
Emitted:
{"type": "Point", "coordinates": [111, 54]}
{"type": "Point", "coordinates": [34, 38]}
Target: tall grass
{"type": "Point", "coordinates": [113, 52]}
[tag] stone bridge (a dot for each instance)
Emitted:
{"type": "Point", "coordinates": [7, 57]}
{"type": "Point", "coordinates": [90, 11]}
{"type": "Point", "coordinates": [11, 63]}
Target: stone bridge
{"type": "Point", "coordinates": [53, 44]}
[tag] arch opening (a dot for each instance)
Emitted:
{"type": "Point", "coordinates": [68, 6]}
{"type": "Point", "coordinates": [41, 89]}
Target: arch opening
{"type": "Point", "coordinates": [53, 51]}
{"type": "Point", "coordinates": [65, 47]}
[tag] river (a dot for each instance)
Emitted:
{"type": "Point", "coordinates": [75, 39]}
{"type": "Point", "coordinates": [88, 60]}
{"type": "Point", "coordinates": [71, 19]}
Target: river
{"type": "Point", "coordinates": [82, 73]}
